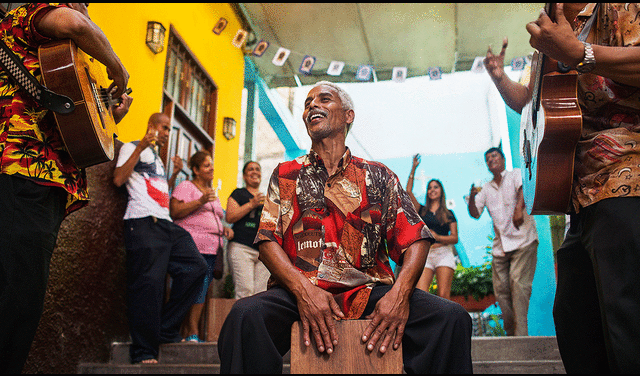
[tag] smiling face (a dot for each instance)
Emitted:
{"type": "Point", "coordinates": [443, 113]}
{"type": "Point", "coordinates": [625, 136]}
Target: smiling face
{"type": "Point", "coordinates": [495, 162]}
{"type": "Point", "coordinates": [205, 170]}
{"type": "Point", "coordinates": [162, 124]}
{"type": "Point", "coordinates": [324, 114]}
{"type": "Point", "coordinates": [252, 174]}
{"type": "Point", "coordinates": [434, 191]}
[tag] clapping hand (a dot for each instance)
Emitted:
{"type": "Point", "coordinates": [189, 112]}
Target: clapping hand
{"type": "Point", "coordinates": [208, 195]}
{"type": "Point", "coordinates": [177, 164]}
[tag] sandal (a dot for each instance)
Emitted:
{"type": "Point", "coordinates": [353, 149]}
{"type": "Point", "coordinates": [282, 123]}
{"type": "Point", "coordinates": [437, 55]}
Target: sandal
{"type": "Point", "coordinates": [193, 338]}
{"type": "Point", "coordinates": [148, 361]}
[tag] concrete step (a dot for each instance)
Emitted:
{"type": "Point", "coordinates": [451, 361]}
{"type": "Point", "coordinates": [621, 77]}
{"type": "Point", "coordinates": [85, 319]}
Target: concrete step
{"type": "Point", "coordinates": [105, 368]}
{"type": "Point", "coordinates": [481, 367]}
{"type": "Point", "coordinates": [102, 368]}
{"type": "Point", "coordinates": [482, 349]}
{"type": "Point", "coordinates": [519, 367]}
{"type": "Point", "coordinates": [490, 355]}
{"type": "Point", "coordinates": [176, 353]}
{"type": "Point", "coordinates": [514, 348]}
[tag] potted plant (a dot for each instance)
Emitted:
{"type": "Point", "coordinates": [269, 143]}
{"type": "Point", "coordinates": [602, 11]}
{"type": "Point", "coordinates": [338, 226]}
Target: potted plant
{"type": "Point", "coordinates": [472, 287]}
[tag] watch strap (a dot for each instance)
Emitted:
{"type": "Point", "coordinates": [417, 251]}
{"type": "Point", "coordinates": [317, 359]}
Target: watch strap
{"type": "Point", "coordinates": [589, 61]}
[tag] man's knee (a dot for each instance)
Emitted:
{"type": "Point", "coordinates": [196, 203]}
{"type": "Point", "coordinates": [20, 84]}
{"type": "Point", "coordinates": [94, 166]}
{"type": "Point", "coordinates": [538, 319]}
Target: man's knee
{"type": "Point", "coordinates": [459, 316]}
{"type": "Point", "coordinates": [245, 308]}
{"type": "Point", "coordinates": [202, 266]}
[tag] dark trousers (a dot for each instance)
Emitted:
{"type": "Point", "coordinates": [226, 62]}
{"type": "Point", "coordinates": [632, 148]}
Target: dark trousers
{"type": "Point", "coordinates": [257, 333]}
{"type": "Point", "coordinates": [598, 293]}
{"type": "Point", "coordinates": [156, 247]}
{"type": "Point", "coordinates": [30, 217]}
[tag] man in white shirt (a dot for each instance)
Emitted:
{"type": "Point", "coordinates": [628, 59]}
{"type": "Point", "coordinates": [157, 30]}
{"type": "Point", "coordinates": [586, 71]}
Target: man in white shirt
{"type": "Point", "coordinates": [155, 246]}
{"type": "Point", "coordinates": [515, 244]}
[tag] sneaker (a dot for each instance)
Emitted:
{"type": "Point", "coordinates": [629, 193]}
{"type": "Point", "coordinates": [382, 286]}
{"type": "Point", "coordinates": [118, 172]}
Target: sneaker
{"type": "Point", "coordinates": [193, 338]}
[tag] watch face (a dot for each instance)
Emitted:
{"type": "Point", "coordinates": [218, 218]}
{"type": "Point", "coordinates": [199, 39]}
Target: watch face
{"type": "Point", "coordinates": [585, 68]}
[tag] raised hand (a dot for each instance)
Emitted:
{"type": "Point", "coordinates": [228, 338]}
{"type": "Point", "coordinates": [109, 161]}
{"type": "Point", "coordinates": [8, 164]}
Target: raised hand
{"type": "Point", "coordinates": [416, 161]}
{"type": "Point", "coordinates": [257, 200]}
{"type": "Point", "coordinates": [494, 64]}
{"type": "Point", "coordinates": [151, 138]}
{"type": "Point", "coordinates": [178, 164]}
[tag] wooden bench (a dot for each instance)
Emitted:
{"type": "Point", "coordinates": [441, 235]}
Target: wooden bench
{"type": "Point", "coordinates": [216, 311]}
{"type": "Point", "coordinates": [350, 356]}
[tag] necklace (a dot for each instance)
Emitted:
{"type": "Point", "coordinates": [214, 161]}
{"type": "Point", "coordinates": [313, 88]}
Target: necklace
{"type": "Point", "coordinates": [198, 185]}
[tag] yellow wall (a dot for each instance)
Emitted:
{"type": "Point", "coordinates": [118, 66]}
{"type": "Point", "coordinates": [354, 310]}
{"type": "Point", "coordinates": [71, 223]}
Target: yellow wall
{"type": "Point", "coordinates": [125, 25]}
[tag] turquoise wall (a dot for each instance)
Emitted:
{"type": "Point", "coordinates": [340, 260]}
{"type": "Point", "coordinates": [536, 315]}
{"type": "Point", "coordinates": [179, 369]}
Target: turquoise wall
{"type": "Point", "coordinates": [457, 172]}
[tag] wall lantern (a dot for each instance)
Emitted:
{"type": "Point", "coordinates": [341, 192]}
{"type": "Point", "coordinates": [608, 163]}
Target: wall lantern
{"type": "Point", "coordinates": [155, 36]}
{"type": "Point", "coordinates": [229, 128]}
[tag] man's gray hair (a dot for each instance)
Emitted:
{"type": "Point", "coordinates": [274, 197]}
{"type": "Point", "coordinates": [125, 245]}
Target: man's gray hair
{"type": "Point", "coordinates": [345, 98]}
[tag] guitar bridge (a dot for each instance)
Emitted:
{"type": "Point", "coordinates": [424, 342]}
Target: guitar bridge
{"type": "Point", "coordinates": [96, 97]}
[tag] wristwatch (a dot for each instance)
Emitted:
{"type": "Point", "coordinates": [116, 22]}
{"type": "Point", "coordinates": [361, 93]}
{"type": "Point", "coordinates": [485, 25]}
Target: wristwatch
{"type": "Point", "coordinates": [589, 62]}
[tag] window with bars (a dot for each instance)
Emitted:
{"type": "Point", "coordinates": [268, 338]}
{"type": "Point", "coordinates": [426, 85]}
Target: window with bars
{"type": "Point", "coordinates": [187, 84]}
{"type": "Point", "coordinates": [189, 99]}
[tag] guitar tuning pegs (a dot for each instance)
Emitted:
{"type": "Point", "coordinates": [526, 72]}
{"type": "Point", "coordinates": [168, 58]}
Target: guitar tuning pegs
{"type": "Point", "coordinates": [563, 68]}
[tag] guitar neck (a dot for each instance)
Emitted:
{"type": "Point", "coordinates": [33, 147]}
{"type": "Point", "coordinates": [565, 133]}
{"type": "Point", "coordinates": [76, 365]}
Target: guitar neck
{"type": "Point", "coordinates": [540, 62]}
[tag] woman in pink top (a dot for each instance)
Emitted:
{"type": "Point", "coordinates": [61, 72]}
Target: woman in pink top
{"type": "Point", "coordinates": [196, 208]}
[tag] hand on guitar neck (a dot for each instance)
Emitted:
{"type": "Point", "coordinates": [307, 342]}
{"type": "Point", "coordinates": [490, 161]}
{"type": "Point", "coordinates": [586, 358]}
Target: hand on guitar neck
{"type": "Point", "coordinates": [120, 107]}
{"type": "Point", "coordinates": [553, 35]}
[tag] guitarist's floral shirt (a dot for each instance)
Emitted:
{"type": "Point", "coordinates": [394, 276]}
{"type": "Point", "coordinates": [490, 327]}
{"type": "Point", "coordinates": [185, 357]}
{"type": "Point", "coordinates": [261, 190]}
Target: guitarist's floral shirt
{"type": "Point", "coordinates": [341, 230]}
{"type": "Point", "coordinates": [30, 144]}
{"type": "Point", "coordinates": [608, 153]}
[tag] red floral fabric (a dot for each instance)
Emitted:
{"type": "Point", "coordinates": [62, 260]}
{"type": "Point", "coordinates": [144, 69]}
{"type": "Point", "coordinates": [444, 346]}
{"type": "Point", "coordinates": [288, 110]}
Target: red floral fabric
{"type": "Point", "coordinates": [340, 231]}
{"type": "Point", "coordinates": [30, 143]}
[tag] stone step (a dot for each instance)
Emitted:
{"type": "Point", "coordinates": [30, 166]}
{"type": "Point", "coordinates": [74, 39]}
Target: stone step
{"type": "Point", "coordinates": [133, 369]}
{"type": "Point", "coordinates": [519, 367]}
{"type": "Point", "coordinates": [514, 348]}
{"type": "Point", "coordinates": [490, 355]}
{"type": "Point", "coordinates": [482, 349]}
{"type": "Point", "coordinates": [480, 367]}
{"type": "Point", "coordinates": [176, 353]}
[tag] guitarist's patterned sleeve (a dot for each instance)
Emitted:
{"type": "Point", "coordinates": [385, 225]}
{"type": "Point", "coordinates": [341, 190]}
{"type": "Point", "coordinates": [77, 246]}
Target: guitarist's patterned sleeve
{"type": "Point", "coordinates": [30, 143]}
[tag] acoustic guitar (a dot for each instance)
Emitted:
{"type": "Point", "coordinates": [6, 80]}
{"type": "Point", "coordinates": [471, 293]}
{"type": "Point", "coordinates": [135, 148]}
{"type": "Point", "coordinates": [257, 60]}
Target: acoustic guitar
{"type": "Point", "coordinates": [89, 131]}
{"type": "Point", "coordinates": [550, 128]}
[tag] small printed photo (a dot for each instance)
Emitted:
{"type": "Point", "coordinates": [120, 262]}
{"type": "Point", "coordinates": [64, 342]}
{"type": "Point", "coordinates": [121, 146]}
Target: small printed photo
{"type": "Point", "coordinates": [281, 56]}
{"type": "Point", "coordinates": [478, 64]}
{"type": "Point", "coordinates": [435, 73]}
{"type": "Point", "coordinates": [261, 47]}
{"type": "Point", "coordinates": [220, 25]}
{"type": "Point", "coordinates": [364, 72]}
{"type": "Point", "coordinates": [238, 40]}
{"type": "Point", "coordinates": [307, 64]}
{"type": "Point", "coordinates": [399, 74]}
{"type": "Point", "coordinates": [518, 63]}
{"type": "Point", "coordinates": [335, 68]}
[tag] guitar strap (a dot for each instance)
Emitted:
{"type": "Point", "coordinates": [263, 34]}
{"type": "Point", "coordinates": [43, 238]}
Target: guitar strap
{"type": "Point", "coordinates": [43, 96]}
{"type": "Point", "coordinates": [587, 26]}
{"type": "Point", "coordinates": [564, 68]}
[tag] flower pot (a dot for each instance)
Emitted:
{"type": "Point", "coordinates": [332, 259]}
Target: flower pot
{"type": "Point", "coordinates": [472, 305]}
